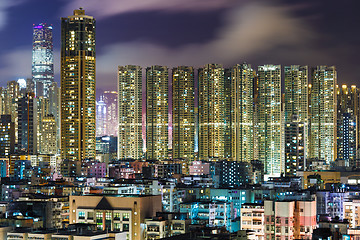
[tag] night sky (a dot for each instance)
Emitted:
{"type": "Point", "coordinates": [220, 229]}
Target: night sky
{"type": "Point", "coordinates": [192, 32]}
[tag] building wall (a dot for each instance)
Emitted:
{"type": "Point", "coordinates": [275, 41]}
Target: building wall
{"type": "Point", "coordinates": [323, 113]}
{"type": "Point", "coordinates": [270, 119]}
{"type": "Point", "coordinates": [140, 208]}
{"type": "Point", "coordinates": [242, 114]}
{"type": "Point", "coordinates": [157, 113]}
{"type": "Point", "coordinates": [211, 112]}
{"type": "Point", "coordinates": [130, 143]}
{"type": "Point", "coordinates": [183, 113]}
{"type": "Point", "coordinates": [78, 80]}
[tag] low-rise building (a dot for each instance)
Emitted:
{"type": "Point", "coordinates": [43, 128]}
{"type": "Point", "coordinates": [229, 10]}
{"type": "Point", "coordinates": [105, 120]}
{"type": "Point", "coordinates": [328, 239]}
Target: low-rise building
{"type": "Point", "coordinates": [115, 213]}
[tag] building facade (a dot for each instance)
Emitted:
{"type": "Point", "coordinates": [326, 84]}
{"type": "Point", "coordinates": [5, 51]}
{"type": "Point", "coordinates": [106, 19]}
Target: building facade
{"type": "Point", "coordinates": [130, 143]}
{"type": "Point", "coordinates": [78, 86]}
{"type": "Point", "coordinates": [347, 121]}
{"type": "Point", "coordinates": [183, 113]}
{"type": "Point", "coordinates": [157, 112]}
{"type": "Point", "coordinates": [242, 96]}
{"type": "Point", "coordinates": [211, 112]}
{"type": "Point", "coordinates": [323, 113]}
{"type": "Point", "coordinates": [270, 119]}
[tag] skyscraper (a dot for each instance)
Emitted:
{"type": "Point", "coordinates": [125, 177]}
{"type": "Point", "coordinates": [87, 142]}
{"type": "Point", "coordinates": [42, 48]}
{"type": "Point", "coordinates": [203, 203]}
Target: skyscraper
{"type": "Point", "coordinates": [270, 120]}
{"type": "Point", "coordinates": [323, 113]}
{"type": "Point", "coordinates": [101, 118]}
{"type": "Point", "coordinates": [27, 137]}
{"type": "Point", "coordinates": [296, 118]}
{"type": "Point", "coordinates": [347, 105]}
{"type": "Point", "coordinates": [78, 86]}
{"type": "Point", "coordinates": [7, 135]}
{"type": "Point", "coordinates": [130, 143]}
{"type": "Point", "coordinates": [157, 112]}
{"type": "Point", "coordinates": [296, 93]}
{"type": "Point", "coordinates": [110, 98]}
{"type": "Point", "coordinates": [242, 96]}
{"type": "Point", "coordinates": [183, 112]}
{"type": "Point", "coordinates": [42, 59]}
{"type": "Point", "coordinates": [48, 141]}
{"type": "Point", "coordinates": [295, 151]}
{"type": "Point", "coordinates": [211, 112]}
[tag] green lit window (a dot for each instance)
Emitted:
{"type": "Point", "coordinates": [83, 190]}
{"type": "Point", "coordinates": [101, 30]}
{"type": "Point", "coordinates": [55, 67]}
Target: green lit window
{"type": "Point", "coordinates": [126, 216]}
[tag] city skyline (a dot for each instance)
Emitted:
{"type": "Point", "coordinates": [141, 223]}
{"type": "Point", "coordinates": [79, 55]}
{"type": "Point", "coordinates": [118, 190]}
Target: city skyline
{"type": "Point", "coordinates": [234, 32]}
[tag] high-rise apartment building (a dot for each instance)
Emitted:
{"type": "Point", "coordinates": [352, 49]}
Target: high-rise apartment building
{"type": "Point", "coordinates": [42, 59]}
{"type": "Point", "coordinates": [42, 109]}
{"type": "Point", "coordinates": [78, 86]}
{"type": "Point", "coordinates": [270, 119]}
{"type": "Point", "coordinates": [48, 141]}
{"type": "Point", "coordinates": [183, 112]}
{"type": "Point", "coordinates": [242, 114]}
{"type": "Point", "coordinates": [7, 136]}
{"type": "Point", "coordinates": [130, 143]}
{"type": "Point", "coordinates": [296, 107]}
{"type": "Point", "coordinates": [211, 112]}
{"type": "Point", "coordinates": [157, 112]}
{"type": "Point", "coordinates": [27, 127]}
{"type": "Point", "coordinates": [54, 110]}
{"type": "Point", "coordinates": [295, 143]}
{"type": "Point", "coordinates": [296, 93]}
{"type": "Point", "coordinates": [323, 113]}
{"type": "Point", "coordinates": [227, 113]}
{"type": "Point", "coordinates": [347, 121]}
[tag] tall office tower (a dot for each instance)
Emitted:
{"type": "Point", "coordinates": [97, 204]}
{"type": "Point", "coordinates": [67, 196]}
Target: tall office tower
{"type": "Point", "coordinates": [48, 143]}
{"type": "Point", "coordinates": [211, 112]}
{"type": "Point", "coordinates": [347, 105]}
{"type": "Point", "coordinates": [27, 139]}
{"type": "Point", "coordinates": [227, 113]}
{"type": "Point", "coordinates": [323, 113]}
{"type": "Point", "coordinates": [270, 120]}
{"type": "Point", "coordinates": [183, 112]}
{"type": "Point", "coordinates": [130, 143]}
{"type": "Point", "coordinates": [100, 118]}
{"type": "Point", "coordinates": [78, 126]}
{"type": "Point", "coordinates": [7, 135]}
{"type": "Point", "coordinates": [295, 151]}
{"type": "Point", "coordinates": [110, 98]}
{"type": "Point", "coordinates": [296, 93]}
{"type": "Point", "coordinates": [157, 112]}
{"type": "Point", "coordinates": [242, 97]}
{"type": "Point", "coordinates": [42, 59]}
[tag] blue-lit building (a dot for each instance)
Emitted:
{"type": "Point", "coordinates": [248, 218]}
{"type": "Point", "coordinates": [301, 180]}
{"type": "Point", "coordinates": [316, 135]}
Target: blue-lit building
{"type": "Point", "coordinates": [42, 59]}
{"type": "Point", "coordinates": [347, 114]}
{"type": "Point", "coordinates": [22, 170]}
{"type": "Point", "coordinates": [210, 214]}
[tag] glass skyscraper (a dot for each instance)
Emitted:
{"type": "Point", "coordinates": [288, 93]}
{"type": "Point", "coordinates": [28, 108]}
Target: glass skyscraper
{"type": "Point", "coordinates": [42, 59]}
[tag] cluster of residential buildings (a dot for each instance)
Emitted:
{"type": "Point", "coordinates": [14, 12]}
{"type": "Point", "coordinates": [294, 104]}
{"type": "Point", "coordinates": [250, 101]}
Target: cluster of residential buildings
{"type": "Point", "coordinates": [219, 153]}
